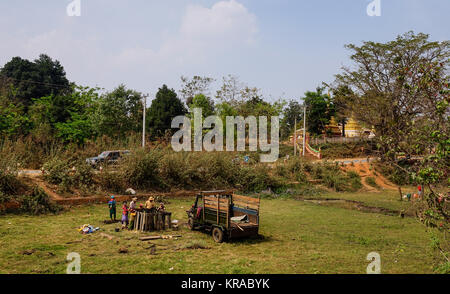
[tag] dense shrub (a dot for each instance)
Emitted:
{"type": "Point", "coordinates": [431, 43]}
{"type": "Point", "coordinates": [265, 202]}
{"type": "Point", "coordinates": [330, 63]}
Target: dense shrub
{"type": "Point", "coordinates": [294, 169]}
{"type": "Point", "coordinates": [371, 182]}
{"type": "Point", "coordinates": [345, 150]}
{"type": "Point", "coordinates": [258, 178]}
{"type": "Point", "coordinates": [38, 202]}
{"type": "Point", "coordinates": [394, 174]}
{"type": "Point", "coordinates": [57, 172]}
{"type": "Point", "coordinates": [111, 181]}
{"type": "Point", "coordinates": [140, 169]}
{"type": "Point", "coordinates": [333, 177]}
{"type": "Point", "coordinates": [9, 184]}
{"type": "Point", "coordinates": [83, 177]}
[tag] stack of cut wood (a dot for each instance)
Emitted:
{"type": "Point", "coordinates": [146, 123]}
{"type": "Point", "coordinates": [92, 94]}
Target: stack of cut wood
{"type": "Point", "coordinates": [147, 221]}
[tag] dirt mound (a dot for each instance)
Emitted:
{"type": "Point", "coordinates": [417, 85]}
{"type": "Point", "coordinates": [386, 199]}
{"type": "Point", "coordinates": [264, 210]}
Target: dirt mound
{"type": "Point", "coordinates": [365, 171]}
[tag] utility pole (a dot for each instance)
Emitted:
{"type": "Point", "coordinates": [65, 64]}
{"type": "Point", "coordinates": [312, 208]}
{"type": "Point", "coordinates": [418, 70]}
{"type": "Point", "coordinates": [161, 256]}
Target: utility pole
{"type": "Point", "coordinates": [143, 119]}
{"type": "Point", "coordinates": [295, 137]}
{"type": "Point", "coordinates": [304, 130]}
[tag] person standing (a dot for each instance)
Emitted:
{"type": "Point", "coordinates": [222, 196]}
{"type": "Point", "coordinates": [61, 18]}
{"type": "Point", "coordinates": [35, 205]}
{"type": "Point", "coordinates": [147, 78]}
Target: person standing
{"type": "Point", "coordinates": [112, 208]}
{"type": "Point", "coordinates": [420, 189]}
{"type": "Point", "coordinates": [132, 212]}
{"type": "Point", "coordinates": [150, 205]}
{"type": "Point", "coordinates": [124, 215]}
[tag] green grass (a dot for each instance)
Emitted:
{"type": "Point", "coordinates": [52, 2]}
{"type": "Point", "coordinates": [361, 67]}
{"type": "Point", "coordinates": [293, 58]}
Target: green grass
{"type": "Point", "coordinates": [384, 199]}
{"type": "Point", "coordinates": [299, 237]}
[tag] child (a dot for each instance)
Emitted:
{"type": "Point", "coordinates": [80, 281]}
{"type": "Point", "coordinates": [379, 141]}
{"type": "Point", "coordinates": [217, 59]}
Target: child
{"type": "Point", "coordinates": [132, 213]}
{"type": "Point", "coordinates": [112, 208]}
{"type": "Point", "coordinates": [124, 215]}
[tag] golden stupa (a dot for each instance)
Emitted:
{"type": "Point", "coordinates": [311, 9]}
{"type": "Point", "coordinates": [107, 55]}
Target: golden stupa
{"type": "Point", "coordinates": [353, 128]}
{"type": "Point", "coordinates": [333, 128]}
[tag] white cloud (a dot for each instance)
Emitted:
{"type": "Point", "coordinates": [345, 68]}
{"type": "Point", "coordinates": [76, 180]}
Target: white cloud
{"type": "Point", "coordinates": [226, 20]}
{"type": "Point", "coordinates": [204, 32]}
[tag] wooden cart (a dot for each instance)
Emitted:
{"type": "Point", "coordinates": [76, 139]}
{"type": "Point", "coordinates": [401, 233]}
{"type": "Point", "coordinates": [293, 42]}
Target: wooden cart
{"type": "Point", "coordinates": [225, 214]}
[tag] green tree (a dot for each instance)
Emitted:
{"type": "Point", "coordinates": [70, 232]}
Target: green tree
{"type": "Point", "coordinates": [195, 86]}
{"type": "Point", "coordinates": [164, 108]}
{"type": "Point", "coordinates": [386, 89]}
{"type": "Point", "coordinates": [37, 79]}
{"type": "Point", "coordinates": [201, 101]}
{"type": "Point", "coordinates": [291, 112]}
{"type": "Point", "coordinates": [319, 111]}
{"type": "Point", "coordinates": [80, 125]}
{"type": "Point", "coordinates": [119, 112]}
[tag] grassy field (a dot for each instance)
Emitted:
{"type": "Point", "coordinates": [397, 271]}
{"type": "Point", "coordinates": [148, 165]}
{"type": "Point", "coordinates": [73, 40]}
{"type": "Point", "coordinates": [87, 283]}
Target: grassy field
{"type": "Point", "coordinates": [298, 237]}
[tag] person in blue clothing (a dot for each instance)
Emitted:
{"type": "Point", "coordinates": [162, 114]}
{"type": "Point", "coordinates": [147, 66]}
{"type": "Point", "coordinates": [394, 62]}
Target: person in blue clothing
{"type": "Point", "coordinates": [112, 208]}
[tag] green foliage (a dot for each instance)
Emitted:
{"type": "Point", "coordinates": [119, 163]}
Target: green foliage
{"type": "Point", "coordinates": [319, 111]}
{"type": "Point", "coordinates": [9, 184]}
{"type": "Point", "coordinates": [38, 202]}
{"type": "Point", "coordinates": [47, 77]}
{"type": "Point", "coordinates": [293, 111]}
{"type": "Point", "coordinates": [371, 182]}
{"type": "Point", "coordinates": [56, 171]}
{"type": "Point", "coordinates": [333, 177]}
{"type": "Point", "coordinates": [203, 102]}
{"type": "Point", "coordinates": [344, 150]}
{"type": "Point", "coordinates": [294, 169]}
{"type": "Point", "coordinates": [83, 176]}
{"type": "Point", "coordinates": [140, 169]}
{"type": "Point", "coordinates": [394, 174]}
{"type": "Point", "coordinates": [195, 86]}
{"type": "Point", "coordinates": [257, 179]}
{"type": "Point", "coordinates": [111, 181]}
{"type": "Point", "coordinates": [119, 112]}
{"type": "Point", "coordinates": [165, 107]}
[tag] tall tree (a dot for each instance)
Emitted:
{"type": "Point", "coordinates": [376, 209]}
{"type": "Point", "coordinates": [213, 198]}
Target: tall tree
{"type": "Point", "coordinates": [164, 108]}
{"type": "Point", "coordinates": [119, 112]}
{"type": "Point", "coordinates": [195, 86]}
{"type": "Point", "coordinates": [319, 111]}
{"type": "Point", "coordinates": [293, 111]}
{"type": "Point", "coordinates": [37, 79]}
{"type": "Point", "coordinates": [386, 86]}
{"type": "Point", "coordinates": [201, 101]}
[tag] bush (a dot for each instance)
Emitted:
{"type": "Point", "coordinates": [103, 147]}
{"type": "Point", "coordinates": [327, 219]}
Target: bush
{"type": "Point", "coordinates": [394, 174]}
{"type": "Point", "coordinates": [38, 202]}
{"type": "Point", "coordinates": [140, 169]}
{"type": "Point", "coordinates": [333, 177]}
{"type": "Point", "coordinates": [83, 177]}
{"type": "Point", "coordinates": [371, 182]}
{"type": "Point", "coordinates": [257, 179]}
{"type": "Point", "coordinates": [354, 180]}
{"type": "Point", "coordinates": [294, 170]}
{"type": "Point", "coordinates": [111, 181]}
{"type": "Point", "coordinates": [57, 172]}
{"type": "Point", "coordinates": [9, 184]}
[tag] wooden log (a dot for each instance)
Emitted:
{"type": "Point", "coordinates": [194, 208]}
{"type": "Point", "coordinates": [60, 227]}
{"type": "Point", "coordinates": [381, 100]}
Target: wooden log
{"type": "Point", "coordinates": [169, 220]}
{"type": "Point", "coordinates": [148, 238]}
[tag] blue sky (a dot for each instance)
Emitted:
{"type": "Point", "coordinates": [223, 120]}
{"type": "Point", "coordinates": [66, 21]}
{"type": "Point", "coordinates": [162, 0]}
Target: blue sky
{"type": "Point", "coordinates": [283, 47]}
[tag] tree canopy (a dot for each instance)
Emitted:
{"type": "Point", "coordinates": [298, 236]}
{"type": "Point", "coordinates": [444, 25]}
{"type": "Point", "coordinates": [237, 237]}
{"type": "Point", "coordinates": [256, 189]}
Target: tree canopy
{"type": "Point", "coordinates": [164, 108]}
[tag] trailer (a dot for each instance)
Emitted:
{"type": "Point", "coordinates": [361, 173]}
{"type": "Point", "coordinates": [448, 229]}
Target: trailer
{"type": "Point", "coordinates": [225, 214]}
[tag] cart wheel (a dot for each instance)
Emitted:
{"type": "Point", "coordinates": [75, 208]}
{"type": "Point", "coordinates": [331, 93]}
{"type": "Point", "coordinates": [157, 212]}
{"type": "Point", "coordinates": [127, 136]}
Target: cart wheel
{"type": "Point", "coordinates": [217, 235]}
{"type": "Point", "coordinates": [190, 223]}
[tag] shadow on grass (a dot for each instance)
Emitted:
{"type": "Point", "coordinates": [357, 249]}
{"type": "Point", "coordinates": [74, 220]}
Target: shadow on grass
{"type": "Point", "coordinates": [251, 240]}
